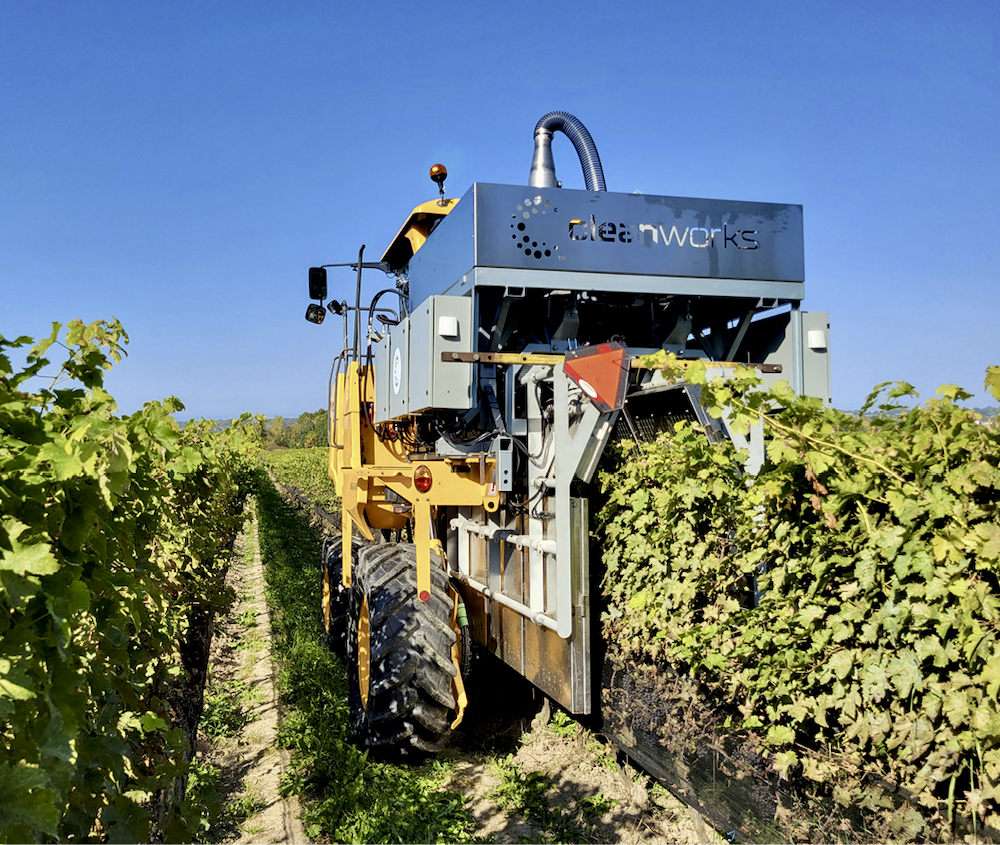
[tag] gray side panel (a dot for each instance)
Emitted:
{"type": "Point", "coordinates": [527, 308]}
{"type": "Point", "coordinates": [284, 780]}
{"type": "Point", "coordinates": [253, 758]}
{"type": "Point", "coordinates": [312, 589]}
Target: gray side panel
{"type": "Point", "coordinates": [382, 355]}
{"type": "Point", "coordinates": [560, 667]}
{"type": "Point", "coordinates": [397, 373]}
{"type": "Point", "coordinates": [771, 341]}
{"type": "Point", "coordinates": [816, 355]}
{"type": "Point", "coordinates": [392, 361]}
{"type": "Point", "coordinates": [550, 229]}
{"type": "Point", "coordinates": [448, 253]}
{"type": "Point", "coordinates": [634, 233]}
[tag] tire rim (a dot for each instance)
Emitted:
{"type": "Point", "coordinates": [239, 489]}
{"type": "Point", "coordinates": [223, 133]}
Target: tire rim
{"type": "Point", "coordinates": [364, 652]}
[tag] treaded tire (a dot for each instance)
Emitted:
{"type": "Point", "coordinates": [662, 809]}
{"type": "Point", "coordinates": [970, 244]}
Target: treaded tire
{"type": "Point", "coordinates": [334, 599]}
{"type": "Point", "coordinates": [409, 702]}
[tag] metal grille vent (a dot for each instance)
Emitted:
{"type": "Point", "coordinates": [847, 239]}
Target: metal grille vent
{"type": "Point", "coordinates": [647, 415]}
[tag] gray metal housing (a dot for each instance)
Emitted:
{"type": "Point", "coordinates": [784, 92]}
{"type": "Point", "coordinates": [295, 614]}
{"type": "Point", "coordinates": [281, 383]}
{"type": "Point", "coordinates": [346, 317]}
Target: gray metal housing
{"type": "Point", "coordinates": [592, 239]}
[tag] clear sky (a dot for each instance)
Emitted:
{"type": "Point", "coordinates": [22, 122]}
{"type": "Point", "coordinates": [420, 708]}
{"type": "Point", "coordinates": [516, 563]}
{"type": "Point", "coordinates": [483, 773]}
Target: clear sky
{"type": "Point", "coordinates": [180, 165]}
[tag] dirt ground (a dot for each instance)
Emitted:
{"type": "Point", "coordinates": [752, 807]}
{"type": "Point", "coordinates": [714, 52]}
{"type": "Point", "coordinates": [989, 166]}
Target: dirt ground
{"type": "Point", "coordinates": [539, 776]}
{"type": "Point", "coordinates": [250, 763]}
{"type": "Point", "coordinates": [528, 774]}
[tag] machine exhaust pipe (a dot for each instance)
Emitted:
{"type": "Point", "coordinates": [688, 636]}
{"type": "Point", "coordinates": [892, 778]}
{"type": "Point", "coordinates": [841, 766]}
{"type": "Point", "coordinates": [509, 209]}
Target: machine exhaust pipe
{"type": "Point", "coordinates": [543, 169]}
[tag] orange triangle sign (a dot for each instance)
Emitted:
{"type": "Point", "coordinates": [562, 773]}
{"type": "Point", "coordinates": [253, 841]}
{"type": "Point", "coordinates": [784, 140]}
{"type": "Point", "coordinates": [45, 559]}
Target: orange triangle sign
{"type": "Point", "coordinates": [601, 372]}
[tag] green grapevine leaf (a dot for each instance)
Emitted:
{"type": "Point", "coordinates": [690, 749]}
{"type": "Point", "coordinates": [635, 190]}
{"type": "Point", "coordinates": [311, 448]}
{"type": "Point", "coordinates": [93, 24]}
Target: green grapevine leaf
{"type": "Point", "coordinates": [29, 806]}
{"type": "Point", "coordinates": [991, 676]}
{"type": "Point", "coordinates": [953, 391]}
{"type": "Point", "coordinates": [14, 682]}
{"type": "Point", "coordinates": [992, 383]}
{"type": "Point", "coordinates": [783, 761]}
{"type": "Point", "coordinates": [63, 463]}
{"type": "Point", "coordinates": [25, 558]}
{"type": "Point", "coordinates": [697, 373]}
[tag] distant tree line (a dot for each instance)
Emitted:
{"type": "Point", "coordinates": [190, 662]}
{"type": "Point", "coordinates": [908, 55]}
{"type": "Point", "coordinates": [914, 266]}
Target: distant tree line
{"type": "Point", "coordinates": [989, 413]}
{"type": "Point", "coordinates": [305, 432]}
{"type": "Point", "coordinates": [309, 429]}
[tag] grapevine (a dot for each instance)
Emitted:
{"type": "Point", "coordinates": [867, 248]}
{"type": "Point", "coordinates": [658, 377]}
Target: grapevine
{"type": "Point", "coordinates": [305, 470]}
{"type": "Point", "coordinates": [112, 535]}
{"type": "Point", "coordinates": [844, 604]}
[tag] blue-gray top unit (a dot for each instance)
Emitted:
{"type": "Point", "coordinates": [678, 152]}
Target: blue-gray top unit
{"type": "Point", "coordinates": [592, 239]}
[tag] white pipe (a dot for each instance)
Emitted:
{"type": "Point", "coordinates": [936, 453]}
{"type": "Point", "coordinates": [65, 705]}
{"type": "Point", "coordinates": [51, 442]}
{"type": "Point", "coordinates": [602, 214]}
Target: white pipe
{"type": "Point", "coordinates": [537, 617]}
{"type": "Point", "coordinates": [520, 541]}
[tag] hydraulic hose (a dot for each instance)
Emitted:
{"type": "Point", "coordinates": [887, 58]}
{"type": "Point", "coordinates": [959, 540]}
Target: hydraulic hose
{"type": "Point", "coordinates": [543, 169]}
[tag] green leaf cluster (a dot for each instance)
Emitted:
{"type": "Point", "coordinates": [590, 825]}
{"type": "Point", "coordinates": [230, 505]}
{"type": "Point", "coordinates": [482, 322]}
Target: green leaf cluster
{"type": "Point", "coordinates": [112, 533]}
{"type": "Point", "coordinates": [844, 603]}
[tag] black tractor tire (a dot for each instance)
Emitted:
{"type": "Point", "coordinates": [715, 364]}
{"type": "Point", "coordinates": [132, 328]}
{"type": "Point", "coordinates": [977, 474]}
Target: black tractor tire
{"type": "Point", "coordinates": [399, 665]}
{"type": "Point", "coordinates": [334, 598]}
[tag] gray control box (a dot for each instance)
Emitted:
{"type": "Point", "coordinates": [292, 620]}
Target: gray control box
{"type": "Point", "coordinates": [410, 376]}
{"type": "Point", "coordinates": [440, 325]}
{"type": "Point", "coordinates": [392, 362]}
{"type": "Point", "coordinates": [816, 355]}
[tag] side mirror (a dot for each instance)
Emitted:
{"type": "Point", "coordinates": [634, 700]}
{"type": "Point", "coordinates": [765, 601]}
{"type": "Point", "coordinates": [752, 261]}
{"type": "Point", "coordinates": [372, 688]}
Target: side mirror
{"type": "Point", "coordinates": [317, 283]}
{"type": "Point", "coordinates": [315, 313]}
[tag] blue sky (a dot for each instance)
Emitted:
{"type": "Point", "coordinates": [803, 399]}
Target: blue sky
{"type": "Point", "coordinates": [180, 165]}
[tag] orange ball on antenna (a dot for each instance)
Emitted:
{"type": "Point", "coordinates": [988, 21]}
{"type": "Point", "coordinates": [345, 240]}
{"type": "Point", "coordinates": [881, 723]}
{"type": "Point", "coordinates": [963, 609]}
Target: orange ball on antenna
{"type": "Point", "coordinates": [439, 173]}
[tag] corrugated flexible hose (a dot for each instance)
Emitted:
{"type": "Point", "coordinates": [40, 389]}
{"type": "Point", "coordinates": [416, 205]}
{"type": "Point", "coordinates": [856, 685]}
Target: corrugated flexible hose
{"type": "Point", "coordinates": [543, 171]}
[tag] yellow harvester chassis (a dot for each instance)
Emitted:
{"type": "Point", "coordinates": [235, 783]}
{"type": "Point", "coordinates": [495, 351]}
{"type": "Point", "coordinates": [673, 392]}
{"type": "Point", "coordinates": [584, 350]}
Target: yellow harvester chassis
{"type": "Point", "coordinates": [364, 468]}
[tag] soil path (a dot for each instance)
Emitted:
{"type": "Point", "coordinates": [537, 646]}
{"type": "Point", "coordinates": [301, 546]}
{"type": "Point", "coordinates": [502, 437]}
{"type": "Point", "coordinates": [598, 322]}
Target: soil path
{"type": "Point", "coordinates": [250, 763]}
{"type": "Point", "coordinates": [560, 782]}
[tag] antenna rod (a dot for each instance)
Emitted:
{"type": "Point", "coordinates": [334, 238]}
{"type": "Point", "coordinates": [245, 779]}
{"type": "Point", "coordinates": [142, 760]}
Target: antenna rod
{"type": "Point", "coordinates": [357, 309]}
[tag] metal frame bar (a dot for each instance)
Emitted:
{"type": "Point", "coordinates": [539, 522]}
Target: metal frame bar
{"type": "Point", "coordinates": [798, 350]}
{"type": "Point", "coordinates": [631, 282]}
{"type": "Point", "coordinates": [570, 449]}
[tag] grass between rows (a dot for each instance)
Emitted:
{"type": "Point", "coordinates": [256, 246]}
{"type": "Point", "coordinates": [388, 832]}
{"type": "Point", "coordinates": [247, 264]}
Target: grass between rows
{"type": "Point", "coordinates": [216, 810]}
{"type": "Point", "coordinates": [346, 797]}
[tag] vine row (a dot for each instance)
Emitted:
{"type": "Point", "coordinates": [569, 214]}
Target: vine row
{"type": "Point", "coordinates": [113, 536]}
{"type": "Point", "coordinates": [842, 606]}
